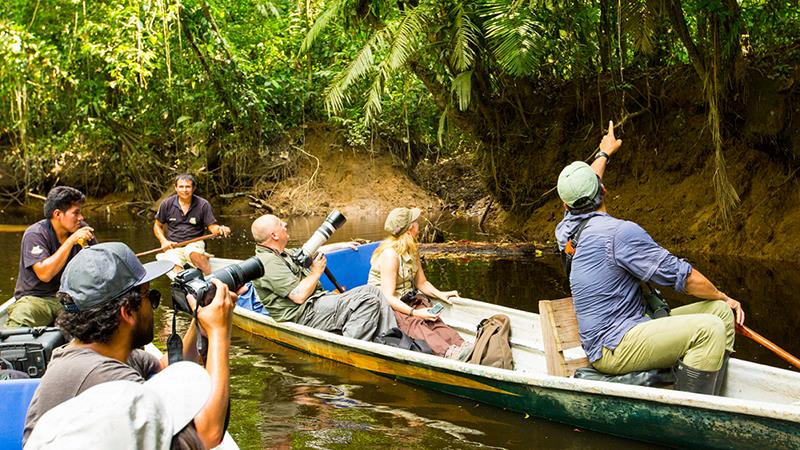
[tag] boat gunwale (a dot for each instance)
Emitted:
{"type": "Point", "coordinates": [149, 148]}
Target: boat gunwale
{"type": "Point", "coordinates": [641, 393]}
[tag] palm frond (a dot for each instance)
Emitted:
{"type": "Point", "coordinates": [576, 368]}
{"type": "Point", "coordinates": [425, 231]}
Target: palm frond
{"type": "Point", "coordinates": [322, 21]}
{"type": "Point", "coordinates": [372, 108]}
{"type": "Point", "coordinates": [465, 40]}
{"type": "Point", "coordinates": [268, 9]}
{"type": "Point", "coordinates": [462, 88]}
{"type": "Point", "coordinates": [639, 22]}
{"type": "Point", "coordinates": [362, 65]}
{"type": "Point", "coordinates": [406, 37]}
{"type": "Point", "coordinates": [512, 34]}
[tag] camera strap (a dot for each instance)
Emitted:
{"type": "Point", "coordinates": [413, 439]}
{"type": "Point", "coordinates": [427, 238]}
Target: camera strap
{"type": "Point", "coordinates": [202, 341]}
{"type": "Point", "coordinates": [174, 342]}
{"type": "Point", "coordinates": [282, 256]}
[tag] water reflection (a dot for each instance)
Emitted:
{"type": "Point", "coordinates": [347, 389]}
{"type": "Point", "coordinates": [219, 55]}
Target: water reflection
{"type": "Point", "coordinates": [283, 398]}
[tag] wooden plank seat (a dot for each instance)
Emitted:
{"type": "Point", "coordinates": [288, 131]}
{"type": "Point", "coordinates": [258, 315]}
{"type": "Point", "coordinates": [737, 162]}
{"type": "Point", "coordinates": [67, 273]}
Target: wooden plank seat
{"type": "Point", "coordinates": [559, 334]}
{"type": "Point", "coordinates": [564, 354]}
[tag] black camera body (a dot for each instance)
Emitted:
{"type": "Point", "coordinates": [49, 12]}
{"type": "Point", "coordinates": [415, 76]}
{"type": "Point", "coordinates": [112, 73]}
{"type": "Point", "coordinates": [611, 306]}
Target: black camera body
{"type": "Point", "coordinates": [192, 281]}
{"type": "Point", "coordinates": [333, 222]}
{"type": "Point", "coordinates": [409, 296]}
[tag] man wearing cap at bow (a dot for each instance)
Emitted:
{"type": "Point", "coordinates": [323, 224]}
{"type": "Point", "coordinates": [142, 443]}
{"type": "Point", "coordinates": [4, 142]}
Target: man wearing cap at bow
{"type": "Point", "coordinates": [108, 311]}
{"type": "Point", "coordinates": [611, 258]}
{"type": "Point", "coordinates": [291, 293]}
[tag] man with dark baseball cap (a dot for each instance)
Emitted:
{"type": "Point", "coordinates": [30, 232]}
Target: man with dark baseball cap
{"type": "Point", "coordinates": [103, 291]}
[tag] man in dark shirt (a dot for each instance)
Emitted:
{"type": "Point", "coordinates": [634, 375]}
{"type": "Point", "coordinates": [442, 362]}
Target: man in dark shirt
{"type": "Point", "coordinates": [109, 310]}
{"type": "Point", "coordinates": [47, 246]}
{"type": "Point", "coordinates": [186, 216]}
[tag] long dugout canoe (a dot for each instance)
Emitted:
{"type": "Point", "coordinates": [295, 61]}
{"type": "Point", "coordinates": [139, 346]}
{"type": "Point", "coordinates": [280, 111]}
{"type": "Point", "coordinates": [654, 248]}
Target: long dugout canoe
{"type": "Point", "coordinates": [759, 406]}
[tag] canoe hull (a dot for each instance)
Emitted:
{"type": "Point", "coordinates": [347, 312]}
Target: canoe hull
{"type": "Point", "coordinates": [644, 420]}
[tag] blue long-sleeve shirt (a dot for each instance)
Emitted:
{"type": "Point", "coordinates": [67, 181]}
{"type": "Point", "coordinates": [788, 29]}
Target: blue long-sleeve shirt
{"type": "Point", "coordinates": [613, 256]}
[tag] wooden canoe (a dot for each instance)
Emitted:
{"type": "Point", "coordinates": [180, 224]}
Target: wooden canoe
{"type": "Point", "coordinates": [759, 408]}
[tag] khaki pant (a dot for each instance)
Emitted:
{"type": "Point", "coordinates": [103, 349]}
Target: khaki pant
{"type": "Point", "coordinates": [698, 334]}
{"type": "Point", "coordinates": [30, 311]}
{"type": "Point", "coordinates": [180, 256]}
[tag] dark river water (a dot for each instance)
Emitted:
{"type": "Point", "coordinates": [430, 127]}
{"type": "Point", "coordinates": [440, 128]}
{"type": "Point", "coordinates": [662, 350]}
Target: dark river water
{"type": "Point", "coordinates": [282, 398]}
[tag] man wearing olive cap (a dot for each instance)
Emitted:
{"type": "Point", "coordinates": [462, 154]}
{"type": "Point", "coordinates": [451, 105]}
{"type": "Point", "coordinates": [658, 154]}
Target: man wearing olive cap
{"type": "Point", "coordinates": [611, 258]}
{"type": "Point", "coordinates": [108, 311]}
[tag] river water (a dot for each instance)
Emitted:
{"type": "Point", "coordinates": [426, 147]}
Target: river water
{"type": "Point", "coordinates": [283, 398]}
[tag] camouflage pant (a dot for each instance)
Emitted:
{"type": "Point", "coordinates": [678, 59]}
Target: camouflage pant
{"type": "Point", "coordinates": [361, 313]}
{"type": "Point", "coordinates": [30, 311]}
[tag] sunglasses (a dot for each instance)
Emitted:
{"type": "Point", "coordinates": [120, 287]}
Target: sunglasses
{"type": "Point", "coordinates": [155, 297]}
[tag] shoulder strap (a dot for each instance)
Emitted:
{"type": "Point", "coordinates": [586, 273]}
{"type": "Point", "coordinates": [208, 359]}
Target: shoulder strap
{"type": "Point", "coordinates": [281, 256]}
{"type": "Point", "coordinates": [572, 245]}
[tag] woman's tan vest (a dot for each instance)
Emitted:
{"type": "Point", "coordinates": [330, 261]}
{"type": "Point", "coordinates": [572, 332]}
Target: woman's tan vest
{"type": "Point", "coordinates": [407, 270]}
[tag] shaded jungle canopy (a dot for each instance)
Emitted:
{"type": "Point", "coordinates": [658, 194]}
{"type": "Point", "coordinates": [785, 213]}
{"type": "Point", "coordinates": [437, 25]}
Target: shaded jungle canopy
{"type": "Point", "coordinates": [118, 96]}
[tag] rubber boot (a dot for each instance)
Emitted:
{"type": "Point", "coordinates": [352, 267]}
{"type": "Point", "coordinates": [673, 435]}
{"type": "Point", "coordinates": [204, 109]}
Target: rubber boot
{"type": "Point", "coordinates": [722, 372]}
{"type": "Point", "coordinates": [693, 380]}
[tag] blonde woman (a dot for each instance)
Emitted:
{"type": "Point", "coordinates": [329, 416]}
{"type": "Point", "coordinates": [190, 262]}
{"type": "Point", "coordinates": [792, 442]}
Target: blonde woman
{"type": "Point", "coordinates": [397, 271]}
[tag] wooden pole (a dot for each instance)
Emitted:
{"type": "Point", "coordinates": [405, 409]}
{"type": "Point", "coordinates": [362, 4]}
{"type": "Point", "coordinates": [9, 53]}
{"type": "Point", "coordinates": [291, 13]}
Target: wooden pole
{"type": "Point", "coordinates": [37, 196]}
{"type": "Point", "coordinates": [180, 244]}
{"type": "Point", "coordinates": [786, 356]}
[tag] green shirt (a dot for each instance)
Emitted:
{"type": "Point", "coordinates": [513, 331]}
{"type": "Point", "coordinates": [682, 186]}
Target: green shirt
{"type": "Point", "coordinates": [281, 275]}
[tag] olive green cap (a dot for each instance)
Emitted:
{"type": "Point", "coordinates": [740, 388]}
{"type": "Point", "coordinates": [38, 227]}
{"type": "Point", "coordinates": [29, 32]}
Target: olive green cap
{"type": "Point", "coordinates": [400, 219]}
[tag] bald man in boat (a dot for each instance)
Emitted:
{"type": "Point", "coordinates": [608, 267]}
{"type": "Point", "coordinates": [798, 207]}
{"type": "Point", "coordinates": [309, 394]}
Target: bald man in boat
{"type": "Point", "coordinates": [292, 293]}
{"type": "Point", "coordinates": [186, 216]}
{"type": "Point", "coordinates": [611, 257]}
{"type": "Point", "coordinates": [46, 248]}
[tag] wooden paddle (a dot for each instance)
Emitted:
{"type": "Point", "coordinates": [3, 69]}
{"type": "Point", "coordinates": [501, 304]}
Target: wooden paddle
{"type": "Point", "coordinates": [179, 244]}
{"type": "Point", "coordinates": [786, 356]}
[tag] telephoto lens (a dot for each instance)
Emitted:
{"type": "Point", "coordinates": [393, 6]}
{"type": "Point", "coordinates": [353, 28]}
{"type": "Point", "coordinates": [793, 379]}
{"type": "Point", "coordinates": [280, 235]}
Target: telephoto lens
{"type": "Point", "coordinates": [191, 281]}
{"type": "Point", "coordinates": [333, 222]}
{"type": "Point", "coordinates": [236, 275]}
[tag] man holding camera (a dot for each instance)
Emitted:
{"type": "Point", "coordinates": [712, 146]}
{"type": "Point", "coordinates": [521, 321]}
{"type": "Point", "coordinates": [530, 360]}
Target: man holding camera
{"type": "Point", "coordinates": [292, 293]}
{"type": "Point", "coordinates": [47, 246]}
{"type": "Point", "coordinates": [108, 310]}
{"type": "Point", "coordinates": [186, 216]}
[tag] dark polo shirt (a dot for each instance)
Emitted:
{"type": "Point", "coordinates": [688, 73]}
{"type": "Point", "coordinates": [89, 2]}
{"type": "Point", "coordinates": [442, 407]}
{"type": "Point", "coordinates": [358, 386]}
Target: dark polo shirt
{"type": "Point", "coordinates": [182, 227]}
{"type": "Point", "coordinates": [38, 243]}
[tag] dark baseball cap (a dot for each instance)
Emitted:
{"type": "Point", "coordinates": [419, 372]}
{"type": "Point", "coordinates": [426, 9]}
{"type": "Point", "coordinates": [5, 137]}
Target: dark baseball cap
{"type": "Point", "coordinates": [104, 272]}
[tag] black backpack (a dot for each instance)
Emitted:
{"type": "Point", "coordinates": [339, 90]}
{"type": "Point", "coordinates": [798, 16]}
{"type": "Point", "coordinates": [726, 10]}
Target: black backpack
{"type": "Point", "coordinates": [395, 337]}
{"type": "Point", "coordinates": [572, 244]}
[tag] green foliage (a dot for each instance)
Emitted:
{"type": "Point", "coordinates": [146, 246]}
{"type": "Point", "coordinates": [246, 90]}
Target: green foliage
{"type": "Point", "coordinates": [145, 88]}
{"type": "Point", "coordinates": [119, 95]}
{"type": "Point", "coordinates": [479, 59]}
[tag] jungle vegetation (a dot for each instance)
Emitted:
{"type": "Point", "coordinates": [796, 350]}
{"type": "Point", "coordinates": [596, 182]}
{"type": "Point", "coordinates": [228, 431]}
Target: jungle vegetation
{"type": "Point", "coordinates": [115, 96]}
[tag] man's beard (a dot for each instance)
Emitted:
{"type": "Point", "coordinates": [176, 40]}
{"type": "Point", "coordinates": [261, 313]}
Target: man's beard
{"type": "Point", "coordinates": [143, 333]}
